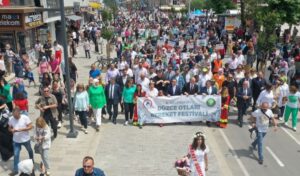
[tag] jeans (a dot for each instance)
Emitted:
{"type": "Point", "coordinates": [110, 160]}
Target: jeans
{"type": "Point", "coordinates": [87, 54]}
{"type": "Point", "coordinates": [83, 119]}
{"type": "Point", "coordinates": [17, 150]}
{"type": "Point", "coordinates": [259, 142]}
{"type": "Point", "coordinates": [45, 158]}
{"type": "Point", "coordinates": [128, 110]}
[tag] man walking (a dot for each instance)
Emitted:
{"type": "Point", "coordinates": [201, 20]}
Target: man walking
{"type": "Point", "coordinates": [243, 101]}
{"type": "Point", "coordinates": [20, 125]}
{"type": "Point", "coordinates": [258, 85]}
{"type": "Point", "coordinates": [47, 104]}
{"type": "Point", "coordinates": [262, 117]}
{"type": "Point", "coordinates": [88, 168]}
{"type": "Point", "coordinates": [113, 95]}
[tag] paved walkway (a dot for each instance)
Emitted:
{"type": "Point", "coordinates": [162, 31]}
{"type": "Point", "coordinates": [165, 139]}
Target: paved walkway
{"type": "Point", "coordinates": [119, 150]}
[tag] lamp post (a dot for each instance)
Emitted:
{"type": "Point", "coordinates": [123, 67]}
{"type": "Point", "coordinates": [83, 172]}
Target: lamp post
{"type": "Point", "coordinates": [72, 133]}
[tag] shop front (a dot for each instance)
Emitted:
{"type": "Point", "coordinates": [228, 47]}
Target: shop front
{"type": "Point", "coordinates": [19, 27]}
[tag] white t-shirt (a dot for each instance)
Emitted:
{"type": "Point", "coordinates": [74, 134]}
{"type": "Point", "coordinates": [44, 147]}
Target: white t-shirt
{"type": "Point", "coordinates": [23, 136]}
{"type": "Point", "coordinates": [262, 121]}
{"type": "Point", "coordinates": [265, 96]}
{"type": "Point", "coordinates": [152, 93]}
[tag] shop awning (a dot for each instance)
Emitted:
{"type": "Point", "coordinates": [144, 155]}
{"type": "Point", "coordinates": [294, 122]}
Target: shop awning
{"type": "Point", "coordinates": [74, 17]}
{"type": "Point", "coordinates": [95, 5]}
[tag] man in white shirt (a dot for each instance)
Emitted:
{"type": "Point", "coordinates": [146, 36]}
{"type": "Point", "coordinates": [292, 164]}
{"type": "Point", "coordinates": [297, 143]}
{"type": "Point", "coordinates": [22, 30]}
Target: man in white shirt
{"type": "Point", "coordinates": [240, 58]}
{"type": "Point", "coordinates": [144, 82]}
{"type": "Point", "coordinates": [20, 125]}
{"type": "Point", "coordinates": [139, 71]}
{"type": "Point", "coordinates": [262, 118]}
{"type": "Point", "coordinates": [111, 73]}
{"type": "Point", "coordinates": [233, 63]}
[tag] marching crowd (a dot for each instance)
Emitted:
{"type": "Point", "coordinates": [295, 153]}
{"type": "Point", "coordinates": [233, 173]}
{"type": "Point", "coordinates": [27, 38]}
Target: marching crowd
{"type": "Point", "coordinates": [157, 55]}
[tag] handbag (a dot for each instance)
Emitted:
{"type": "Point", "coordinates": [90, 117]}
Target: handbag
{"type": "Point", "coordinates": [38, 148]}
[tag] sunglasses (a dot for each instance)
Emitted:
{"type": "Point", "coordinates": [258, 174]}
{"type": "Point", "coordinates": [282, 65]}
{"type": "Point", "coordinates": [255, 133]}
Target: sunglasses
{"type": "Point", "coordinates": [85, 166]}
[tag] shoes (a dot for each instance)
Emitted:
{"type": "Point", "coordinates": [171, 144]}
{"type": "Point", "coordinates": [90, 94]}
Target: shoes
{"type": "Point", "coordinates": [85, 131]}
{"type": "Point", "coordinates": [59, 125]}
{"type": "Point", "coordinates": [126, 123]}
{"type": "Point", "coordinates": [280, 118]}
{"type": "Point", "coordinates": [294, 129]}
{"type": "Point", "coordinates": [48, 173]}
{"type": "Point", "coordinates": [97, 128]}
{"type": "Point", "coordinates": [285, 123]}
{"type": "Point", "coordinates": [260, 161]}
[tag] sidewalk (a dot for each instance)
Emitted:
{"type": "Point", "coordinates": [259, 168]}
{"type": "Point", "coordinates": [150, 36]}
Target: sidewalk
{"type": "Point", "coordinates": [65, 154]}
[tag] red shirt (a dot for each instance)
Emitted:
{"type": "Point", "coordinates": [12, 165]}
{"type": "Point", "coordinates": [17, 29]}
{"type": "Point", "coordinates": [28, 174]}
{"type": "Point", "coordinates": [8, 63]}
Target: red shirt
{"type": "Point", "coordinates": [22, 104]}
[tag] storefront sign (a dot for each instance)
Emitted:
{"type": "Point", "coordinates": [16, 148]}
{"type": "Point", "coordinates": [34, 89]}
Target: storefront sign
{"type": "Point", "coordinates": [10, 20]}
{"type": "Point", "coordinates": [33, 20]}
{"type": "Point", "coordinates": [179, 109]}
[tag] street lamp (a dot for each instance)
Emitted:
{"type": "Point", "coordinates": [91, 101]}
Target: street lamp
{"type": "Point", "coordinates": [72, 133]}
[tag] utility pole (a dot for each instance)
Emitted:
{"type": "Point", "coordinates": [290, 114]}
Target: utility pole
{"type": "Point", "coordinates": [189, 7]}
{"type": "Point", "coordinates": [72, 133]}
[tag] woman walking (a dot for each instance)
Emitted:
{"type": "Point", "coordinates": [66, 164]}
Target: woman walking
{"type": "Point", "coordinates": [59, 94]}
{"type": "Point", "coordinates": [81, 105]}
{"type": "Point", "coordinates": [198, 155]}
{"type": "Point", "coordinates": [43, 138]}
{"type": "Point", "coordinates": [225, 104]}
{"type": "Point", "coordinates": [97, 101]}
{"type": "Point", "coordinates": [128, 99]}
{"type": "Point", "coordinates": [5, 92]}
{"type": "Point", "coordinates": [138, 93]}
{"type": "Point", "coordinates": [291, 107]}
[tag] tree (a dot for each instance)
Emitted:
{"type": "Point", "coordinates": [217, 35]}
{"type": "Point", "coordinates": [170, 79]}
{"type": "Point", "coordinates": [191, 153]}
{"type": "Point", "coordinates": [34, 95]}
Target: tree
{"type": "Point", "coordinates": [197, 4]}
{"type": "Point", "coordinates": [220, 6]}
{"type": "Point", "coordinates": [106, 15]}
{"type": "Point", "coordinates": [288, 10]}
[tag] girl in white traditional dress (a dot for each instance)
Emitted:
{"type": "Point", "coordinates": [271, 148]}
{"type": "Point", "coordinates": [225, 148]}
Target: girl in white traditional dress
{"type": "Point", "coordinates": [197, 154]}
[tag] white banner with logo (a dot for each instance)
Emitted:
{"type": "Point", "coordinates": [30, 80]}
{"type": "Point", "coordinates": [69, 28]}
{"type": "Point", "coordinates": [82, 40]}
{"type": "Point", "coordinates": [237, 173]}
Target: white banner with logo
{"type": "Point", "coordinates": [179, 109]}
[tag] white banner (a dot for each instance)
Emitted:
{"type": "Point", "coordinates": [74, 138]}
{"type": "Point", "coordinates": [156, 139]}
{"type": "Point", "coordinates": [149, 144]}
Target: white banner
{"type": "Point", "coordinates": [179, 109]}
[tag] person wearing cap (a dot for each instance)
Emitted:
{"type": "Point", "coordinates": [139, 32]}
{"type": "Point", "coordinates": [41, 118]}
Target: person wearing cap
{"type": "Point", "coordinates": [97, 101]}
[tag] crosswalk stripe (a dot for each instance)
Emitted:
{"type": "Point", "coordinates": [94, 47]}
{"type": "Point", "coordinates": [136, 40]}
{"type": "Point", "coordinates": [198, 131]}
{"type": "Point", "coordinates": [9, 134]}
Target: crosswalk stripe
{"type": "Point", "coordinates": [289, 134]}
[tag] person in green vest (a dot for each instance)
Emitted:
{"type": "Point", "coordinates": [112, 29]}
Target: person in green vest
{"type": "Point", "coordinates": [291, 107]}
{"type": "Point", "coordinates": [5, 92]}
{"type": "Point", "coordinates": [97, 101]}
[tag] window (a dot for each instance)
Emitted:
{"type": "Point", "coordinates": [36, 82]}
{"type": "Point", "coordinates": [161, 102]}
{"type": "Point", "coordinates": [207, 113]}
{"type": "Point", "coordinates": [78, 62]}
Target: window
{"type": "Point", "coordinates": [22, 3]}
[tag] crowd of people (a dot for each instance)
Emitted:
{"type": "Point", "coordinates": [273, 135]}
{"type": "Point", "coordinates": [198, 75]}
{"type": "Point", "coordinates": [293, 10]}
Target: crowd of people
{"type": "Point", "coordinates": [157, 55]}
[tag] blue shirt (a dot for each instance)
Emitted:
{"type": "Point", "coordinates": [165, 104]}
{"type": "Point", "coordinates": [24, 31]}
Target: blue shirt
{"type": "Point", "coordinates": [96, 172]}
{"type": "Point", "coordinates": [95, 73]}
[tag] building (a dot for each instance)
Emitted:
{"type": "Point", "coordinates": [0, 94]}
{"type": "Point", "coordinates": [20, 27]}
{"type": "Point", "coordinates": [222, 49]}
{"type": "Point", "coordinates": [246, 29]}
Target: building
{"type": "Point", "coordinates": [22, 22]}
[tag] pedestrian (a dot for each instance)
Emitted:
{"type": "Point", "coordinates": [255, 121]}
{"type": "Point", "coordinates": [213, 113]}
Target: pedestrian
{"type": "Point", "coordinates": [225, 98]}
{"type": "Point", "coordinates": [81, 105]}
{"type": "Point", "coordinates": [20, 125]}
{"type": "Point", "coordinates": [19, 87]}
{"type": "Point", "coordinates": [73, 69]}
{"type": "Point", "coordinates": [258, 85]}
{"type": "Point", "coordinates": [88, 168]}
{"type": "Point", "coordinates": [30, 77]}
{"type": "Point", "coordinates": [55, 66]}
{"type": "Point", "coordinates": [128, 99]}
{"type": "Point", "coordinates": [87, 48]}
{"type": "Point", "coordinates": [244, 95]}
{"type": "Point", "coordinates": [97, 101]}
{"type": "Point", "coordinates": [2, 66]}
{"type": "Point", "coordinates": [262, 117]}
{"type": "Point", "coordinates": [59, 93]}
{"type": "Point", "coordinates": [138, 93]}
{"type": "Point", "coordinates": [8, 58]}
{"type": "Point", "coordinates": [48, 49]}
{"type": "Point", "coordinates": [5, 91]}
{"type": "Point", "coordinates": [43, 138]}
{"type": "Point", "coordinates": [47, 104]}
{"type": "Point", "coordinates": [152, 91]}
{"type": "Point", "coordinates": [113, 97]}
{"type": "Point", "coordinates": [292, 107]}
{"type": "Point", "coordinates": [94, 72]}
{"type": "Point", "coordinates": [197, 154]}
{"type": "Point", "coordinates": [21, 102]}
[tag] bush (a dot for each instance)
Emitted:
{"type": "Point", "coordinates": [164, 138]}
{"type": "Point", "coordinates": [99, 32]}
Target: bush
{"type": "Point", "coordinates": [107, 34]}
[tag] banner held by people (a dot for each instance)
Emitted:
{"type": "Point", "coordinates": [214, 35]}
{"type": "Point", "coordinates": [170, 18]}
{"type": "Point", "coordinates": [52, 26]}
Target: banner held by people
{"type": "Point", "coordinates": [179, 109]}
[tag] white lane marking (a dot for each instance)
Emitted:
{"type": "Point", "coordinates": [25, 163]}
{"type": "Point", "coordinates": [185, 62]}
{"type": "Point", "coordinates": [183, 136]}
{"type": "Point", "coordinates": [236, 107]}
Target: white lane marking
{"type": "Point", "coordinates": [234, 153]}
{"type": "Point", "coordinates": [275, 157]}
{"type": "Point", "coordinates": [289, 134]}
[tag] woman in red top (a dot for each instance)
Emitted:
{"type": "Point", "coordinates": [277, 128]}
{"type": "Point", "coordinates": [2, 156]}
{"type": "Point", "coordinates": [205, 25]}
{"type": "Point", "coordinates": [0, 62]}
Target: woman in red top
{"type": "Point", "coordinates": [21, 102]}
{"type": "Point", "coordinates": [224, 110]}
{"type": "Point", "coordinates": [138, 93]}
